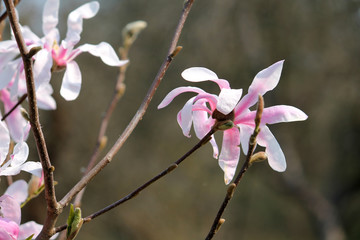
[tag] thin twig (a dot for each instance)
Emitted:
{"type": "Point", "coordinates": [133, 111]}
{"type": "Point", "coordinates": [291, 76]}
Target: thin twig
{"type": "Point", "coordinates": [231, 189]}
{"type": "Point", "coordinates": [138, 115]}
{"type": "Point", "coordinates": [134, 193]}
{"type": "Point", "coordinates": [21, 99]}
{"type": "Point", "coordinates": [5, 14]}
{"type": "Point", "coordinates": [52, 205]}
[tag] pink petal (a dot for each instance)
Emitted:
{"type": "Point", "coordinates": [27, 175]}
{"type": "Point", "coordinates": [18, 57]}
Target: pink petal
{"type": "Point", "coordinates": [17, 125]}
{"type": "Point", "coordinates": [275, 155]}
{"type": "Point", "coordinates": [18, 190]}
{"type": "Point", "coordinates": [71, 85]}
{"type": "Point", "coordinates": [9, 230]}
{"type": "Point", "coordinates": [264, 81]}
{"type": "Point", "coordinates": [75, 22]}
{"type": "Point", "coordinates": [230, 153]}
{"type": "Point", "coordinates": [10, 209]}
{"type": "Point", "coordinates": [228, 98]}
{"type": "Point", "coordinates": [175, 92]}
{"type": "Point", "coordinates": [50, 15]}
{"type": "Point", "coordinates": [105, 52]}
{"type": "Point", "coordinates": [282, 113]}
{"type": "Point", "coordinates": [200, 74]}
{"type": "Point", "coordinates": [202, 125]}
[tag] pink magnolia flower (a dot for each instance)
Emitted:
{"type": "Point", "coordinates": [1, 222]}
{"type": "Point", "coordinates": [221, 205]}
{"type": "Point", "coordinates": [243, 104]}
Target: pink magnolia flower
{"type": "Point", "coordinates": [56, 57]}
{"type": "Point", "coordinates": [205, 109]}
{"type": "Point", "coordinates": [10, 214]}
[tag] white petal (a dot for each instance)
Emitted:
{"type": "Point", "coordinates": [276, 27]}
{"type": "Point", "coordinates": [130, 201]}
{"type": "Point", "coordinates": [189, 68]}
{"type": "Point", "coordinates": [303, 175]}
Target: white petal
{"type": "Point", "coordinates": [20, 154]}
{"type": "Point", "coordinates": [18, 190]}
{"type": "Point", "coordinates": [32, 167]}
{"type": "Point", "coordinates": [228, 98]}
{"type": "Point", "coordinates": [75, 21]}
{"type": "Point", "coordinates": [175, 92]}
{"type": "Point", "coordinates": [198, 74]}
{"type": "Point", "coordinates": [44, 98]}
{"type": "Point", "coordinates": [42, 67]}
{"type": "Point", "coordinates": [50, 15]}
{"type": "Point", "coordinates": [186, 117]}
{"type": "Point", "coordinates": [105, 52]}
{"type": "Point", "coordinates": [245, 133]}
{"type": "Point", "coordinates": [275, 155]}
{"type": "Point", "coordinates": [4, 142]}
{"type": "Point", "coordinates": [28, 229]}
{"type": "Point", "coordinates": [71, 85]}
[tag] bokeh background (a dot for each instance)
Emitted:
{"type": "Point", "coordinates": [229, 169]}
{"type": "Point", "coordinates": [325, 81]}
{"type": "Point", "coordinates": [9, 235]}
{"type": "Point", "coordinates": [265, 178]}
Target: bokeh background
{"type": "Point", "coordinates": [318, 197]}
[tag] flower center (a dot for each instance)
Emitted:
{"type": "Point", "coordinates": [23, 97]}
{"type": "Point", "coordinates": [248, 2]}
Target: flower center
{"type": "Point", "coordinates": [222, 117]}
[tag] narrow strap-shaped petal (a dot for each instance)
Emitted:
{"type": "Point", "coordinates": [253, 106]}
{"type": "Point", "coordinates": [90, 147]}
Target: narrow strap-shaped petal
{"type": "Point", "coordinates": [245, 133]}
{"type": "Point", "coordinates": [104, 51]}
{"type": "Point", "coordinates": [276, 114]}
{"type": "Point", "coordinates": [200, 74]}
{"type": "Point", "coordinates": [264, 81]}
{"type": "Point", "coordinates": [18, 190]}
{"type": "Point", "coordinates": [75, 21]}
{"type": "Point", "coordinates": [202, 125]}
{"type": "Point", "coordinates": [32, 167]}
{"type": "Point", "coordinates": [275, 155]}
{"type": "Point", "coordinates": [42, 68]}
{"type": "Point", "coordinates": [17, 125]}
{"type": "Point", "coordinates": [228, 98]}
{"type": "Point", "coordinates": [177, 91]}
{"type": "Point", "coordinates": [230, 153]}
{"type": "Point", "coordinates": [20, 154]}
{"type": "Point", "coordinates": [44, 99]}
{"type": "Point", "coordinates": [4, 142]}
{"type": "Point", "coordinates": [71, 84]}
{"type": "Point", "coordinates": [185, 117]}
{"type": "Point", "coordinates": [50, 15]}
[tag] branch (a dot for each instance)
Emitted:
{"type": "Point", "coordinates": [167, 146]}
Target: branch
{"type": "Point", "coordinates": [218, 221]}
{"type": "Point", "coordinates": [173, 50]}
{"type": "Point", "coordinates": [52, 205]}
{"type": "Point", "coordinates": [134, 193]}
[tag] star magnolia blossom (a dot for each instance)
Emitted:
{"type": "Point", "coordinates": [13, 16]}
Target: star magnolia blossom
{"type": "Point", "coordinates": [205, 109]}
{"type": "Point", "coordinates": [17, 160]}
{"type": "Point", "coordinates": [10, 214]}
{"type": "Point", "coordinates": [56, 57]}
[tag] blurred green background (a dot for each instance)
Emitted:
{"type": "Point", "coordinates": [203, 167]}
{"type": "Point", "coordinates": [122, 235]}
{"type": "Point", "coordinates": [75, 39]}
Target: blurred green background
{"type": "Point", "coordinates": [318, 197]}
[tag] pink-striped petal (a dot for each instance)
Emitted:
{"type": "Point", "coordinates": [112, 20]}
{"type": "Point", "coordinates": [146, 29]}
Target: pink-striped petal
{"type": "Point", "coordinates": [177, 91]}
{"type": "Point", "coordinates": [10, 209]}
{"type": "Point", "coordinates": [230, 153]}
{"type": "Point", "coordinates": [264, 81]}
{"type": "Point", "coordinates": [9, 230]}
{"type": "Point", "coordinates": [71, 85]}
{"type": "Point", "coordinates": [275, 155]}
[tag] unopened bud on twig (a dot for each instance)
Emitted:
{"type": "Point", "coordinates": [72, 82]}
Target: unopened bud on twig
{"type": "Point", "coordinates": [258, 157]}
{"type": "Point", "coordinates": [24, 114]}
{"type": "Point", "coordinates": [103, 142]}
{"type": "Point", "coordinates": [74, 222]}
{"type": "Point", "coordinates": [131, 31]}
{"type": "Point", "coordinates": [220, 223]}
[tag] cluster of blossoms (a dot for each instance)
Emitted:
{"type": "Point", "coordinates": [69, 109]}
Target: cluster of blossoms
{"type": "Point", "coordinates": [205, 109]}
{"type": "Point", "coordinates": [52, 56]}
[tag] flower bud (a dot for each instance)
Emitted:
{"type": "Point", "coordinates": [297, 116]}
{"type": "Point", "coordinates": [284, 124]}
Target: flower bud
{"type": "Point", "coordinates": [131, 31]}
{"type": "Point", "coordinates": [36, 185]}
{"type": "Point", "coordinates": [74, 222]}
{"type": "Point", "coordinates": [258, 157]}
